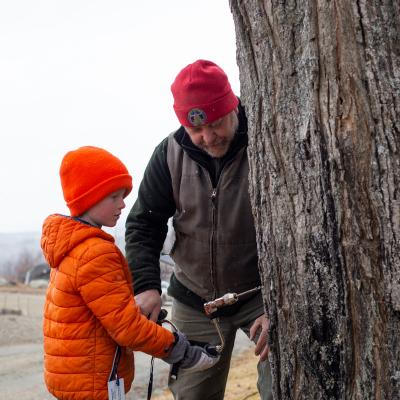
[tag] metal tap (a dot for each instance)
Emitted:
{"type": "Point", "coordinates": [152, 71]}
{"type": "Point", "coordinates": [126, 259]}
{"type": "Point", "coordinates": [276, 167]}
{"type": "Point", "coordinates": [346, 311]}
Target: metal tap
{"type": "Point", "coordinates": [227, 299]}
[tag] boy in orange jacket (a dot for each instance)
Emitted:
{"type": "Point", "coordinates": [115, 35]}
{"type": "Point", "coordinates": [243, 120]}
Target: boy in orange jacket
{"type": "Point", "coordinates": [90, 309]}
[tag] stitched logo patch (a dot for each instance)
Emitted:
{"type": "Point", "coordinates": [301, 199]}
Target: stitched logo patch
{"type": "Point", "coordinates": [197, 117]}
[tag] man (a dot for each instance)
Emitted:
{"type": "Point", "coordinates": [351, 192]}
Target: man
{"type": "Point", "coordinates": [199, 175]}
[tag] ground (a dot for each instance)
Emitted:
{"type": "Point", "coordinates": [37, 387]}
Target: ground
{"type": "Point", "coordinates": [242, 379]}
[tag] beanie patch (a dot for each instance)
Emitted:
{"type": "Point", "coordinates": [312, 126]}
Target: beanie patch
{"type": "Point", "coordinates": [197, 117]}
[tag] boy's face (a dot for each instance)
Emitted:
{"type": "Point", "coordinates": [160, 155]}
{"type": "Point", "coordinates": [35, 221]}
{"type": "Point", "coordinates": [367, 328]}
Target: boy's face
{"type": "Point", "coordinates": [107, 211]}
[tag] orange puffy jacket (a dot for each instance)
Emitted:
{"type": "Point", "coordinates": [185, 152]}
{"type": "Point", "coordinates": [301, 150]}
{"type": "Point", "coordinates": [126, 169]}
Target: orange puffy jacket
{"type": "Point", "coordinates": [90, 308]}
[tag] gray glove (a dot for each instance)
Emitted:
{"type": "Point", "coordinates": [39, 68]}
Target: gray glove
{"type": "Point", "coordinates": [189, 357]}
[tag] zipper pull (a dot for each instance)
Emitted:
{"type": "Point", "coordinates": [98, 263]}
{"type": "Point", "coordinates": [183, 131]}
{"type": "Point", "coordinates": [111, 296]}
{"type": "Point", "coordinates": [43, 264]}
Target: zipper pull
{"type": "Point", "coordinates": [214, 194]}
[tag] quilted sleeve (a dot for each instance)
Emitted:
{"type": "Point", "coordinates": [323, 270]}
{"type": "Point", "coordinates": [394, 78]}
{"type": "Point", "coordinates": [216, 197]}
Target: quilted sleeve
{"type": "Point", "coordinates": [103, 286]}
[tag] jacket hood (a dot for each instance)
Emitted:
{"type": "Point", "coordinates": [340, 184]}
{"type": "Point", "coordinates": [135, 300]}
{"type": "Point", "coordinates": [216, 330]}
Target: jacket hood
{"type": "Point", "coordinates": [60, 234]}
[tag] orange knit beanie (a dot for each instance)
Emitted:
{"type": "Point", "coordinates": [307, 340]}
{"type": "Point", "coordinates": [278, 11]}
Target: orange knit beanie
{"type": "Point", "coordinates": [89, 174]}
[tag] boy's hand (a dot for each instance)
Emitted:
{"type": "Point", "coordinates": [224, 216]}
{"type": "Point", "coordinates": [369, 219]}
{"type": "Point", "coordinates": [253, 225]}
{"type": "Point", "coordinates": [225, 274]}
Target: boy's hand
{"type": "Point", "coordinates": [190, 357]}
{"type": "Point", "coordinates": [149, 303]}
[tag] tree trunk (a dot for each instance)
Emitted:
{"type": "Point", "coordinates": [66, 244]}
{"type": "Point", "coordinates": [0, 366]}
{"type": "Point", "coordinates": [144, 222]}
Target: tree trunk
{"type": "Point", "coordinates": [320, 81]}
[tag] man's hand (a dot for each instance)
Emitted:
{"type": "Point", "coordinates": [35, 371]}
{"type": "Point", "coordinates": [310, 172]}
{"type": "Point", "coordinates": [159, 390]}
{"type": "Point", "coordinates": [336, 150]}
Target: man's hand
{"type": "Point", "coordinates": [261, 346]}
{"type": "Point", "coordinates": [149, 303]}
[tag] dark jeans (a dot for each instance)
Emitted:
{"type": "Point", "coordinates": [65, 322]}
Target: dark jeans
{"type": "Point", "coordinates": [210, 384]}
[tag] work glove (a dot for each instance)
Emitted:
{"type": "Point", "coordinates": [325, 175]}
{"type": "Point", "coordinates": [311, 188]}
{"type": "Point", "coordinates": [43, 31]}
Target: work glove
{"type": "Point", "coordinates": [190, 357]}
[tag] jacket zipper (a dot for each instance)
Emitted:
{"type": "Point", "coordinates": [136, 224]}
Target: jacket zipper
{"type": "Point", "coordinates": [212, 242]}
{"type": "Point", "coordinates": [213, 197]}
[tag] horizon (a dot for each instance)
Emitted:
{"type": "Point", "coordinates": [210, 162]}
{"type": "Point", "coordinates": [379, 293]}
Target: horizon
{"type": "Point", "coordinates": [17, 245]}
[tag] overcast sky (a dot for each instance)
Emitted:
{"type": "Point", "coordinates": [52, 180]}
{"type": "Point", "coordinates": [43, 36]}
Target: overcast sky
{"type": "Point", "coordinates": [93, 72]}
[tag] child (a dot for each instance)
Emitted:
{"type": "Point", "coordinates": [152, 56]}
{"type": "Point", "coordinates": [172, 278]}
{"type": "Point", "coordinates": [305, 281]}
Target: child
{"type": "Point", "coordinates": [90, 308]}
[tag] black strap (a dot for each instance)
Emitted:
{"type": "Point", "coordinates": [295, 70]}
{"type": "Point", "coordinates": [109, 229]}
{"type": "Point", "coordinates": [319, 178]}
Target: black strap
{"type": "Point", "coordinates": [150, 387]}
{"type": "Point", "coordinates": [160, 319]}
{"type": "Point", "coordinates": [114, 368]}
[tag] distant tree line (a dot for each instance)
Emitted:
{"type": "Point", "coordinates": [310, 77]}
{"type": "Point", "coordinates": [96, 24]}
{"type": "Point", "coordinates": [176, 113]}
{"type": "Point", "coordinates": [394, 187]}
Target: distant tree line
{"type": "Point", "coordinates": [15, 270]}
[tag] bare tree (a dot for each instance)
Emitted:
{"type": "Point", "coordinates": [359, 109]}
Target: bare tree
{"type": "Point", "coordinates": [15, 270]}
{"type": "Point", "coordinates": [320, 81]}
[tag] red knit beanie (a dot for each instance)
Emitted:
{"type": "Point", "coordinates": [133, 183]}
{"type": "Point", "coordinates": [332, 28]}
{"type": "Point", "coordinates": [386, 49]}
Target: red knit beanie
{"type": "Point", "coordinates": [89, 174]}
{"type": "Point", "coordinates": [202, 94]}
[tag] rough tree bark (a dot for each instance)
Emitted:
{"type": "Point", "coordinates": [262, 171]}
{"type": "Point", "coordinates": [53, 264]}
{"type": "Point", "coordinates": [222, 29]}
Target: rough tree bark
{"type": "Point", "coordinates": [320, 81]}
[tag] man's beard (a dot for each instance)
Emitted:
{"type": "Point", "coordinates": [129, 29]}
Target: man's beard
{"type": "Point", "coordinates": [223, 144]}
{"type": "Point", "coordinates": [218, 151]}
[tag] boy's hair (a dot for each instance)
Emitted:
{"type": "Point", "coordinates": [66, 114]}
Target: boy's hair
{"type": "Point", "coordinates": [88, 174]}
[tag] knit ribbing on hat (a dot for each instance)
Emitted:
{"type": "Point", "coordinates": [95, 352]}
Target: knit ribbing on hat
{"type": "Point", "coordinates": [88, 175]}
{"type": "Point", "coordinates": [202, 94]}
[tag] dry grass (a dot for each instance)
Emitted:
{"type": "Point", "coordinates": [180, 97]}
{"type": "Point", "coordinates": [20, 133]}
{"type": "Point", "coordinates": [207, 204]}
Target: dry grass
{"type": "Point", "coordinates": [242, 379]}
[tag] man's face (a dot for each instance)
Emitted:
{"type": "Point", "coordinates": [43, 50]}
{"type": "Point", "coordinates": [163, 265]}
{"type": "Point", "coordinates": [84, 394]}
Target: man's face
{"type": "Point", "coordinates": [216, 137]}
